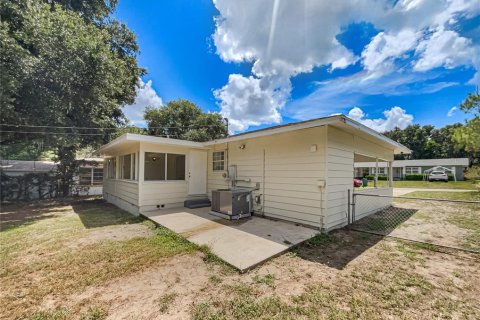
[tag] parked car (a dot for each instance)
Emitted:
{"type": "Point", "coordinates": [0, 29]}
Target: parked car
{"type": "Point", "coordinates": [357, 183]}
{"type": "Point", "coordinates": [438, 176]}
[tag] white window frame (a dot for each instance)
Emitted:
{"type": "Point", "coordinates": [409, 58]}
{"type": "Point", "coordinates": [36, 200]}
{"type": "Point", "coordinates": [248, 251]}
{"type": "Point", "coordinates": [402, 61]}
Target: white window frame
{"type": "Point", "coordinates": [166, 169]}
{"type": "Point", "coordinates": [111, 170]}
{"type": "Point", "coordinates": [418, 169]}
{"type": "Point", "coordinates": [216, 161]}
{"type": "Point", "coordinates": [132, 167]}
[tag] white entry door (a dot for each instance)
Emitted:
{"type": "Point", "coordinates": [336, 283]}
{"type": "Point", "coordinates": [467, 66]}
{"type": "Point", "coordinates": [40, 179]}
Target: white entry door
{"type": "Point", "coordinates": [197, 172]}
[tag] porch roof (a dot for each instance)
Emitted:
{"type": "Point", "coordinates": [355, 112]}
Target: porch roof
{"type": "Point", "coordinates": [131, 139]}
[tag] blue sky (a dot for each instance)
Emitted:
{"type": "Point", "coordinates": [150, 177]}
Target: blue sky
{"type": "Point", "coordinates": [263, 63]}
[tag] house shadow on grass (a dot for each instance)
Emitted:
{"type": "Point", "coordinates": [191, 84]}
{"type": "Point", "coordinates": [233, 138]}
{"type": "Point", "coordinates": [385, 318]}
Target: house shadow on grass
{"type": "Point", "coordinates": [93, 212]}
{"type": "Point", "coordinates": [98, 213]}
{"type": "Point", "coordinates": [340, 247]}
{"type": "Point", "coordinates": [25, 213]}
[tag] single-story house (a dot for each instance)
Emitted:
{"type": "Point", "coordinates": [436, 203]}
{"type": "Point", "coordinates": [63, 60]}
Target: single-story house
{"type": "Point", "coordinates": [90, 175]}
{"type": "Point", "coordinates": [300, 172]}
{"type": "Point", "coordinates": [401, 168]}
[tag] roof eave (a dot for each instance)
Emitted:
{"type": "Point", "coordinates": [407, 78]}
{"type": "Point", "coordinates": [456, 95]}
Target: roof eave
{"type": "Point", "coordinates": [398, 147]}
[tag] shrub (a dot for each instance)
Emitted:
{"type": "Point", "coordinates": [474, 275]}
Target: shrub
{"type": "Point", "coordinates": [384, 178]}
{"type": "Point", "coordinates": [473, 173]}
{"type": "Point", "coordinates": [414, 176]}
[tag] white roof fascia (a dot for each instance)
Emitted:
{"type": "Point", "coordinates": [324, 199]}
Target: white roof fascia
{"type": "Point", "coordinates": [150, 139]}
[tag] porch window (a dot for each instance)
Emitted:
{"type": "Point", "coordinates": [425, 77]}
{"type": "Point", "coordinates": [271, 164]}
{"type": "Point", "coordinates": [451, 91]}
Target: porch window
{"type": "Point", "coordinates": [175, 166]}
{"type": "Point", "coordinates": [163, 166]}
{"type": "Point", "coordinates": [111, 168]}
{"type": "Point", "coordinates": [154, 166]}
{"type": "Point", "coordinates": [90, 176]}
{"type": "Point", "coordinates": [412, 170]}
{"type": "Point", "coordinates": [219, 161]}
{"type": "Point", "coordinates": [127, 166]}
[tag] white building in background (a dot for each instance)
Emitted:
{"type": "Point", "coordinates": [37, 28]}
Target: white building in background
{"type": "Point", "coordinates": [403, 167]}
{"type": "Point", "coordinates": [89, 178]}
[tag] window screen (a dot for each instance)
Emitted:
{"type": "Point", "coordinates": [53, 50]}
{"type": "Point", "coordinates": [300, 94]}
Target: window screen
{"type": "Point", "coordinates": [175, 166]}
{"type": "Point", "coordinates": [111, 167]}
{"type": "Point", "coordinates": [154, 166]}
{"type": "Point", "coordinates": [126, 166]}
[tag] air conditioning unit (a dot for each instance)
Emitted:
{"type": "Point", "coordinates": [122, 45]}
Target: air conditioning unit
{"type": "Point", "coordinates": [232, 203]}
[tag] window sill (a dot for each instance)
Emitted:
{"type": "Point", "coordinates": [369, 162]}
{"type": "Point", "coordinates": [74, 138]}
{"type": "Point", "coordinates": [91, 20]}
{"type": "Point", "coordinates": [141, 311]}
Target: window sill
{"type": "Point", "coordinates": [164, 181]}
{"type": "Point", "coordinates": [123, 180]}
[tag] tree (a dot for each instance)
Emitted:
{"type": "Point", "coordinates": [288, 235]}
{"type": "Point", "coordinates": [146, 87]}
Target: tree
{"type": "Point", "coordinates": [64, 63]}
{"type": "Point", "coordinates": [182, 119]}
{"type": "Point", "coordinates": [468, 136]}
{"type": "Point", "coordinates": [427, 142]}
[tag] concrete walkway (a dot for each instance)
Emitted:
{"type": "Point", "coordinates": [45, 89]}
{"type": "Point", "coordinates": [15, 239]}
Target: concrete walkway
{"type": "Point", "coordinates": [403, 191]}
{"type": "Point", "coordinates": [243, 244]}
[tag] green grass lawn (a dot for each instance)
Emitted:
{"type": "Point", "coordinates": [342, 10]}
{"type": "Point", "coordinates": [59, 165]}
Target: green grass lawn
{"type": "Point", "coordinates": [467, 185]}
{"type": "Point", "coordinates": [343, 275]}
{"type": "Point", "coordinates": [36, 240]}
{"type": "Point", "coordinates": [467, 196]}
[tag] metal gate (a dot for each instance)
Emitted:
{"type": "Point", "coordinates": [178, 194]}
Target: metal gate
{"type": "Point", "coordinates": [448, 223]}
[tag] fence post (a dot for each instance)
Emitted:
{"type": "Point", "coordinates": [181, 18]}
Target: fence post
{"type": "Point", "coordinates": [354, 200]}
{"type": "Point", "coordinates": [348, 210]}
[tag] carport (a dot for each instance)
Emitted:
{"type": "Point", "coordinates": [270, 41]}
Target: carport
{"type": "Point", "coordinates": [243, 244]}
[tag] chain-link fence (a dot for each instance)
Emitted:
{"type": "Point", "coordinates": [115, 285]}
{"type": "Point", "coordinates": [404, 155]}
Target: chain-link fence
{"type": "Point", "coordinates": [448, 223]}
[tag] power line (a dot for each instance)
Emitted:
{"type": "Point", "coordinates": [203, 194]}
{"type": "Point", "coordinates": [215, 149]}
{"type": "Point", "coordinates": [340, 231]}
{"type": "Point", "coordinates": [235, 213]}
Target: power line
{"type": "Point", "coordinates": [103, 128]}
{"type": "Point", "coordinates": [68, 133]}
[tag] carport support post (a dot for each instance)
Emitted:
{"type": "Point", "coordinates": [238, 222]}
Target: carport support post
{"type": "Point", "coordinates": [375, 181]}
{"type": "Point", "coordinates": [390, 174]}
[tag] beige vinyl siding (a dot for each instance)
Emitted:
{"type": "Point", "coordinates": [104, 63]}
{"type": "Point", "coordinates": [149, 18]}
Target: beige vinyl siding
{"type": "Point", "coordinates": [122, 193]}
{"type": "Point", "coordinates": [215, 179]}
{"type": "Point", "coordinates": [340, 156]}
{"type": "Point", "coordinates": [286, 170]}
{"type": "Point", "coordinates": [164, 194]}
{"type": "Point", "coordinates": [126, 190]}
{"type": "Point", "coordinates": [341, 148]}
{"type": "Point", "coordinates": [170, 194]}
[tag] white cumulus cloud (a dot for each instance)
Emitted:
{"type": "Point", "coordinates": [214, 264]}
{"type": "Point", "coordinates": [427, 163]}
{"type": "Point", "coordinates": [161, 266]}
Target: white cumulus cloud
{"type": "Point", "coordinates": [282, 39]}
{"type": "Point", "coordinates": [145, 96]}
{"type": "Point", "coordinates": [250, 101]}
{"type": "Point", "coordinates": [452, 111]}
{"type": "Point", "coordinates": [395, 117]}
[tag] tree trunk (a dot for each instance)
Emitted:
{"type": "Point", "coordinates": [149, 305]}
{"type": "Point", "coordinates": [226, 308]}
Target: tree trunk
{"type": "Point", "coordinates": [67, 168]}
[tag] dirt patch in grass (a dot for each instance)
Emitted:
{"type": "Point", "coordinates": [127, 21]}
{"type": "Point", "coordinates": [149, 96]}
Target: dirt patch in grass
{"type": "Point", "coordinates": [450, 224]}
{"type": "Point", "coordinates": [79, 245]}
{"type": "Point", "coordinates": [166, 288]}
{"type": "Point", "coordinates": [117, 233]}
{"type": "Point", "coordinates": [382, 280]}
{"type": "Point", "coordinates": [158, 275]}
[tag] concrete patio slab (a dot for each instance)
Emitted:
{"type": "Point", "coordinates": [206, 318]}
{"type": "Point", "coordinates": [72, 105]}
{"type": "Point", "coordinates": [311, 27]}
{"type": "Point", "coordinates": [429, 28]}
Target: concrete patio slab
{"type": "Point", "coordinates": [243, 244]}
